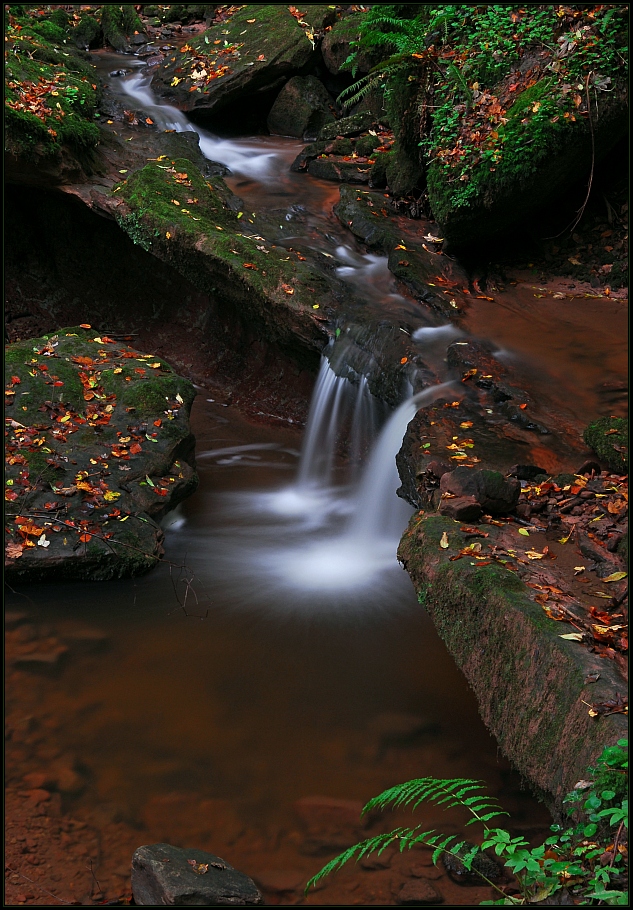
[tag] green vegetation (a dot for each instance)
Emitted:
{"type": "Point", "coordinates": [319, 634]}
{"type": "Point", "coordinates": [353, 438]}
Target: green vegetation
{"type": "Point", "coordinates": [609, 439]}
{"type": "Point", "coordinates": [51, 92]}
{"type": "Point", "coordinates": [489, 94]}
{"type": "Point", "coordinates": [585, 863]}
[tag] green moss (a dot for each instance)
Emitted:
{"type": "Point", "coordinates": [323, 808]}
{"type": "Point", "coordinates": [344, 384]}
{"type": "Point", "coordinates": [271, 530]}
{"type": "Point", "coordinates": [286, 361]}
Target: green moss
{"type": "Point", "coordinates": [118, 23]}
{"type": "Point", "coordinates": [609, 439]}
{"type": "Point", "coordinates": [67, 90]}
{"type": "Point", "coordinates": [366, 144]}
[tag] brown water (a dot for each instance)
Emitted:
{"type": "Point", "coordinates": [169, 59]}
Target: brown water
{"type": "Point", "coordinates": [203, 729]}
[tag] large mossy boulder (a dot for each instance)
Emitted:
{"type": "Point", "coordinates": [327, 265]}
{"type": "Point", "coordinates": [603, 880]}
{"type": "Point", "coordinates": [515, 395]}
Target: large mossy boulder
{"type": "Point", "coordinates": [519, 120]}
{"type": "Point", "coordinates": [198, 227]}
{"type": "Point", "coordinates": [532, 685]}
{"type": "Point", "coordinates": [119, 24]}
{"type": "Point", "coordinates": [244, 60]}
{"type": "Point", "coordinates": [301, 108]}
{"type": "Point", "coordinates": [98, 449]}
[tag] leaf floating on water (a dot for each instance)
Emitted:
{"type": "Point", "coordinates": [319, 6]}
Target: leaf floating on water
{"type": "Point", "coordinates": [444, 541]}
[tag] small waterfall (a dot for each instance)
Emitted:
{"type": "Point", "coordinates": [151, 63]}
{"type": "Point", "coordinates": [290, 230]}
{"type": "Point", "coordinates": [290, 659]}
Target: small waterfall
{"type": "Point", "coordinates": [377, 513]}
{"type": "Point", "coordinates": [322, 430]}
{"type": "Point", "coordinates": [239, 158]}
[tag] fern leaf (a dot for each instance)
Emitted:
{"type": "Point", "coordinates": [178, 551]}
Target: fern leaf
{"type": "Point", "coordinates": [441, 847]}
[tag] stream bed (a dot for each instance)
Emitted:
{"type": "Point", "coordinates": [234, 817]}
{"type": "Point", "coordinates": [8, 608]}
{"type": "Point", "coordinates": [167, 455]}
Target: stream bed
{"type": "Point", "coordinates": [270, 657]}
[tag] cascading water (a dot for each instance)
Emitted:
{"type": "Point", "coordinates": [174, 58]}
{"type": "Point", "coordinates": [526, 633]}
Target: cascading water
{"type": "Point", "coordinates": [248, 160]}
{"type": "Point", "coordinates": [331, 544]}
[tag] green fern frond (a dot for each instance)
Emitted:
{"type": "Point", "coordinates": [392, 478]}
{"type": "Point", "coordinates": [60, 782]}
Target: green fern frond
{"type": "Point", "coordinates": [449, 793]}
{"type": "Point", "coordinates": [405, 836]}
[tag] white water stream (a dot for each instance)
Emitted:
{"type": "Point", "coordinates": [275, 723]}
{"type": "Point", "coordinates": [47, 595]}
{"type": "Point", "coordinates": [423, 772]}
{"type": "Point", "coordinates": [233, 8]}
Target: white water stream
{"type": "Point", "coordinates": [324, 539]}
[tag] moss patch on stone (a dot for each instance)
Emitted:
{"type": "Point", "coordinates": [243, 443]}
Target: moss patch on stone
{"type": "Point", "coordinates": [609, 439]}
{"type": "Point", "coordinates": [51, 91]}
{"type": "Point", "coordinates": [98, 448]}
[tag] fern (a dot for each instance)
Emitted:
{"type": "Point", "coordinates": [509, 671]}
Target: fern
{"type": "Point", "coordinates": [449, 793]}
{"type": "Point", "coordinates": [443, 792]}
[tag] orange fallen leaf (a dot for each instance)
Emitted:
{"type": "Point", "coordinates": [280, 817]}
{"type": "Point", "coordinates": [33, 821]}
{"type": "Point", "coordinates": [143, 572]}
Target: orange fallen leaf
{"type": "Point", "coordinates": [249, 265]}
{"type": "Point", "coordinates": [404, 359]}
{"type": "Point", "coordinates": [135, 449]}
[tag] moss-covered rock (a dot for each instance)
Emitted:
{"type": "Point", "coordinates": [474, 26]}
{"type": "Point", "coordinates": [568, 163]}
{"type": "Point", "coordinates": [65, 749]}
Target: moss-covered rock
{"type": "Point", "coordinates": [301, 108]}
{"type": "Point", "coordinates": [51, 97]}
{"type": "Point", "coordinates": [529, 682]}
{"type": "Point", "coordinates": [196, 225]}
{"type": "Point", "coordinates": [119, 24]}
{"type": "Point", "coordinates": [609, 439]}
{"type": "Point", "coordinates": [244, 59]}
{"type": "Point", "coordinates": [353, 125]}
{"type": "Point", "coordinates": [98, 450]}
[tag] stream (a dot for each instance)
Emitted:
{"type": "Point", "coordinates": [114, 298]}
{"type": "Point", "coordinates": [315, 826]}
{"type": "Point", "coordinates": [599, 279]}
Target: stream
{"type": "Point", "coordinates": [279, 651]}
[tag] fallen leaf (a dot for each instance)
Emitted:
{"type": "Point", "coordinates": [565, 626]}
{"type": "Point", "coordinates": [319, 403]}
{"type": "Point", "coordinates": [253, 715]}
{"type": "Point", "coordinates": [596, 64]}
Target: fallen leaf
{"type": "Point", "coordinates": [43, 542]}
{"type": "Point", "coordinates": [524, 532]}
{"type": "Point", "coordinates": [572, 636]}
{"type": "Point", "coordinates": [444, 541]}
{"type": "Point", "coordinates": [616, 576]}
{"type": "Point", "coordinates": [13, 550]}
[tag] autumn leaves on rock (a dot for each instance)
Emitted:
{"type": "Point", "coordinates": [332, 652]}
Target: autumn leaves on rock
{"type": "Point", "coordinates": [98, 448]}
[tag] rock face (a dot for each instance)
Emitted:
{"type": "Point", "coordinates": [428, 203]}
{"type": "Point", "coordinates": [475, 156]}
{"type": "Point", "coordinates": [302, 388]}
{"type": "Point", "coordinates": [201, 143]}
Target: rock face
{"type": "Point", "coordinates": [329, 824]}
{"type": "Point", "coordinates": [163, 875]}
{"type": "Point", "coordinates": [490, 489]}
{"type": "Point", "coordinates": [302, 107]}
{"type": "Point", "coordinates": [98, 450]}
{"type": "Point", "coordinates": [531, 684]}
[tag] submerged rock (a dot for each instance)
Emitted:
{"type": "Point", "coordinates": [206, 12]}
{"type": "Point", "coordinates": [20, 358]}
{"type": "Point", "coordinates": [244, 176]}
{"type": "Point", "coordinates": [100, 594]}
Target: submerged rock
{"type": "Point", "coordinates": [167, 875]}
{"type": "Point", "coordinates": [98, 450]}
{"type": "Point", "coordinates": [608, 437]}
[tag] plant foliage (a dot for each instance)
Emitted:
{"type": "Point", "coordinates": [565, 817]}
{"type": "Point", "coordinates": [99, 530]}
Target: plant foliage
{"type": "Point", "coordinates": [588, 860]}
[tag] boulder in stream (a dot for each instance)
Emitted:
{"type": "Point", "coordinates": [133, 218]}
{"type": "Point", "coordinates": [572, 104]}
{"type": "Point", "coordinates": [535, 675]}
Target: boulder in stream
{"type": "Point", "coordinates": [301, 108]}
{"type": "Point", "coordinates": [98, 450]}
{"type": "Point", "coordinates": [186, 877]}
{"type": "Point", "coordinates": [244, 59]}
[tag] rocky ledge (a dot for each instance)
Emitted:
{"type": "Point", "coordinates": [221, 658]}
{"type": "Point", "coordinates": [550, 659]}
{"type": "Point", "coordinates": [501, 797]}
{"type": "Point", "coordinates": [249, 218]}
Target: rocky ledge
{"type": "Point", "coordinates": [98, 449]}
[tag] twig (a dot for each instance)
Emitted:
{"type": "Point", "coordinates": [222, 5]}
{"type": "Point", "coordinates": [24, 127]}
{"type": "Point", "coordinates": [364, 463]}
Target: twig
{"type": "Point", "coordinates": [581, 210]}
{"type": "Point", "coordinates": [50, 893]}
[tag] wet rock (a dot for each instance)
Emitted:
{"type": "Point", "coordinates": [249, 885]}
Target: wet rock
{"type": "Point", "coordinates": [376, 860]}
{"type": "Point", "coordinates": [461, 508]}
{"type": "Point", "coordinates": [329, 824]}
{"type": "Point", "coordinates": [167, 875]}
{"type": "Point", "coordinates": [353, 125]}
{"type": "Point", "coordinates": [301, 108]}
{"type": "Point", "coordinates": [525, 471]}
{"type": "Point", "coordinates": [423, 870]}
{"type": "Point", "coordinates": [118, 73]}
{"type": "Point", "coordinates": [494, 493]}
{"type": "Point", "coordinates": [334, 168]}
{"type": "Point", "coordinates": [49, 660]}
{"type": "Point", "coordinates": [438, 468]}
{"type": "Point", "coordinates": [418, 892]}
{"type": "Point", "coordinates": [481, 864]}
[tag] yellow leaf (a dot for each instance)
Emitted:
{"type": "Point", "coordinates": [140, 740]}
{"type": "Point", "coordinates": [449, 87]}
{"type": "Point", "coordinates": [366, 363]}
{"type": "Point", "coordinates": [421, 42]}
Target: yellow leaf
{"type": "Point", "coordinates": [617, 576]}
{"type": "Point", "coordinates": [444, 541]}
{"type": "Point", "coordinates": [168, 235]}
{"type": "Point", "coordinates": [524, 532]}
{"type": "Point", "coordinates": [175, 80]}
{"type": "Point", "coordinates": [572, 636]}
{"type": "Point", "coordinates": [111, 496]}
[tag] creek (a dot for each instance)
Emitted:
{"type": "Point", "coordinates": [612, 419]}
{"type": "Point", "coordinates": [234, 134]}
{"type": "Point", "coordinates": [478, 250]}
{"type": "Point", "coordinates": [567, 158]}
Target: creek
{"type": "Point", "coordinates": [279, 649]}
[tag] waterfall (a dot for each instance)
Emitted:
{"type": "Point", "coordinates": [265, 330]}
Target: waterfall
{"type": "Point", "coordinates": [376, 512]}
{"type": "Point", "coordinates": [248, 160]}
